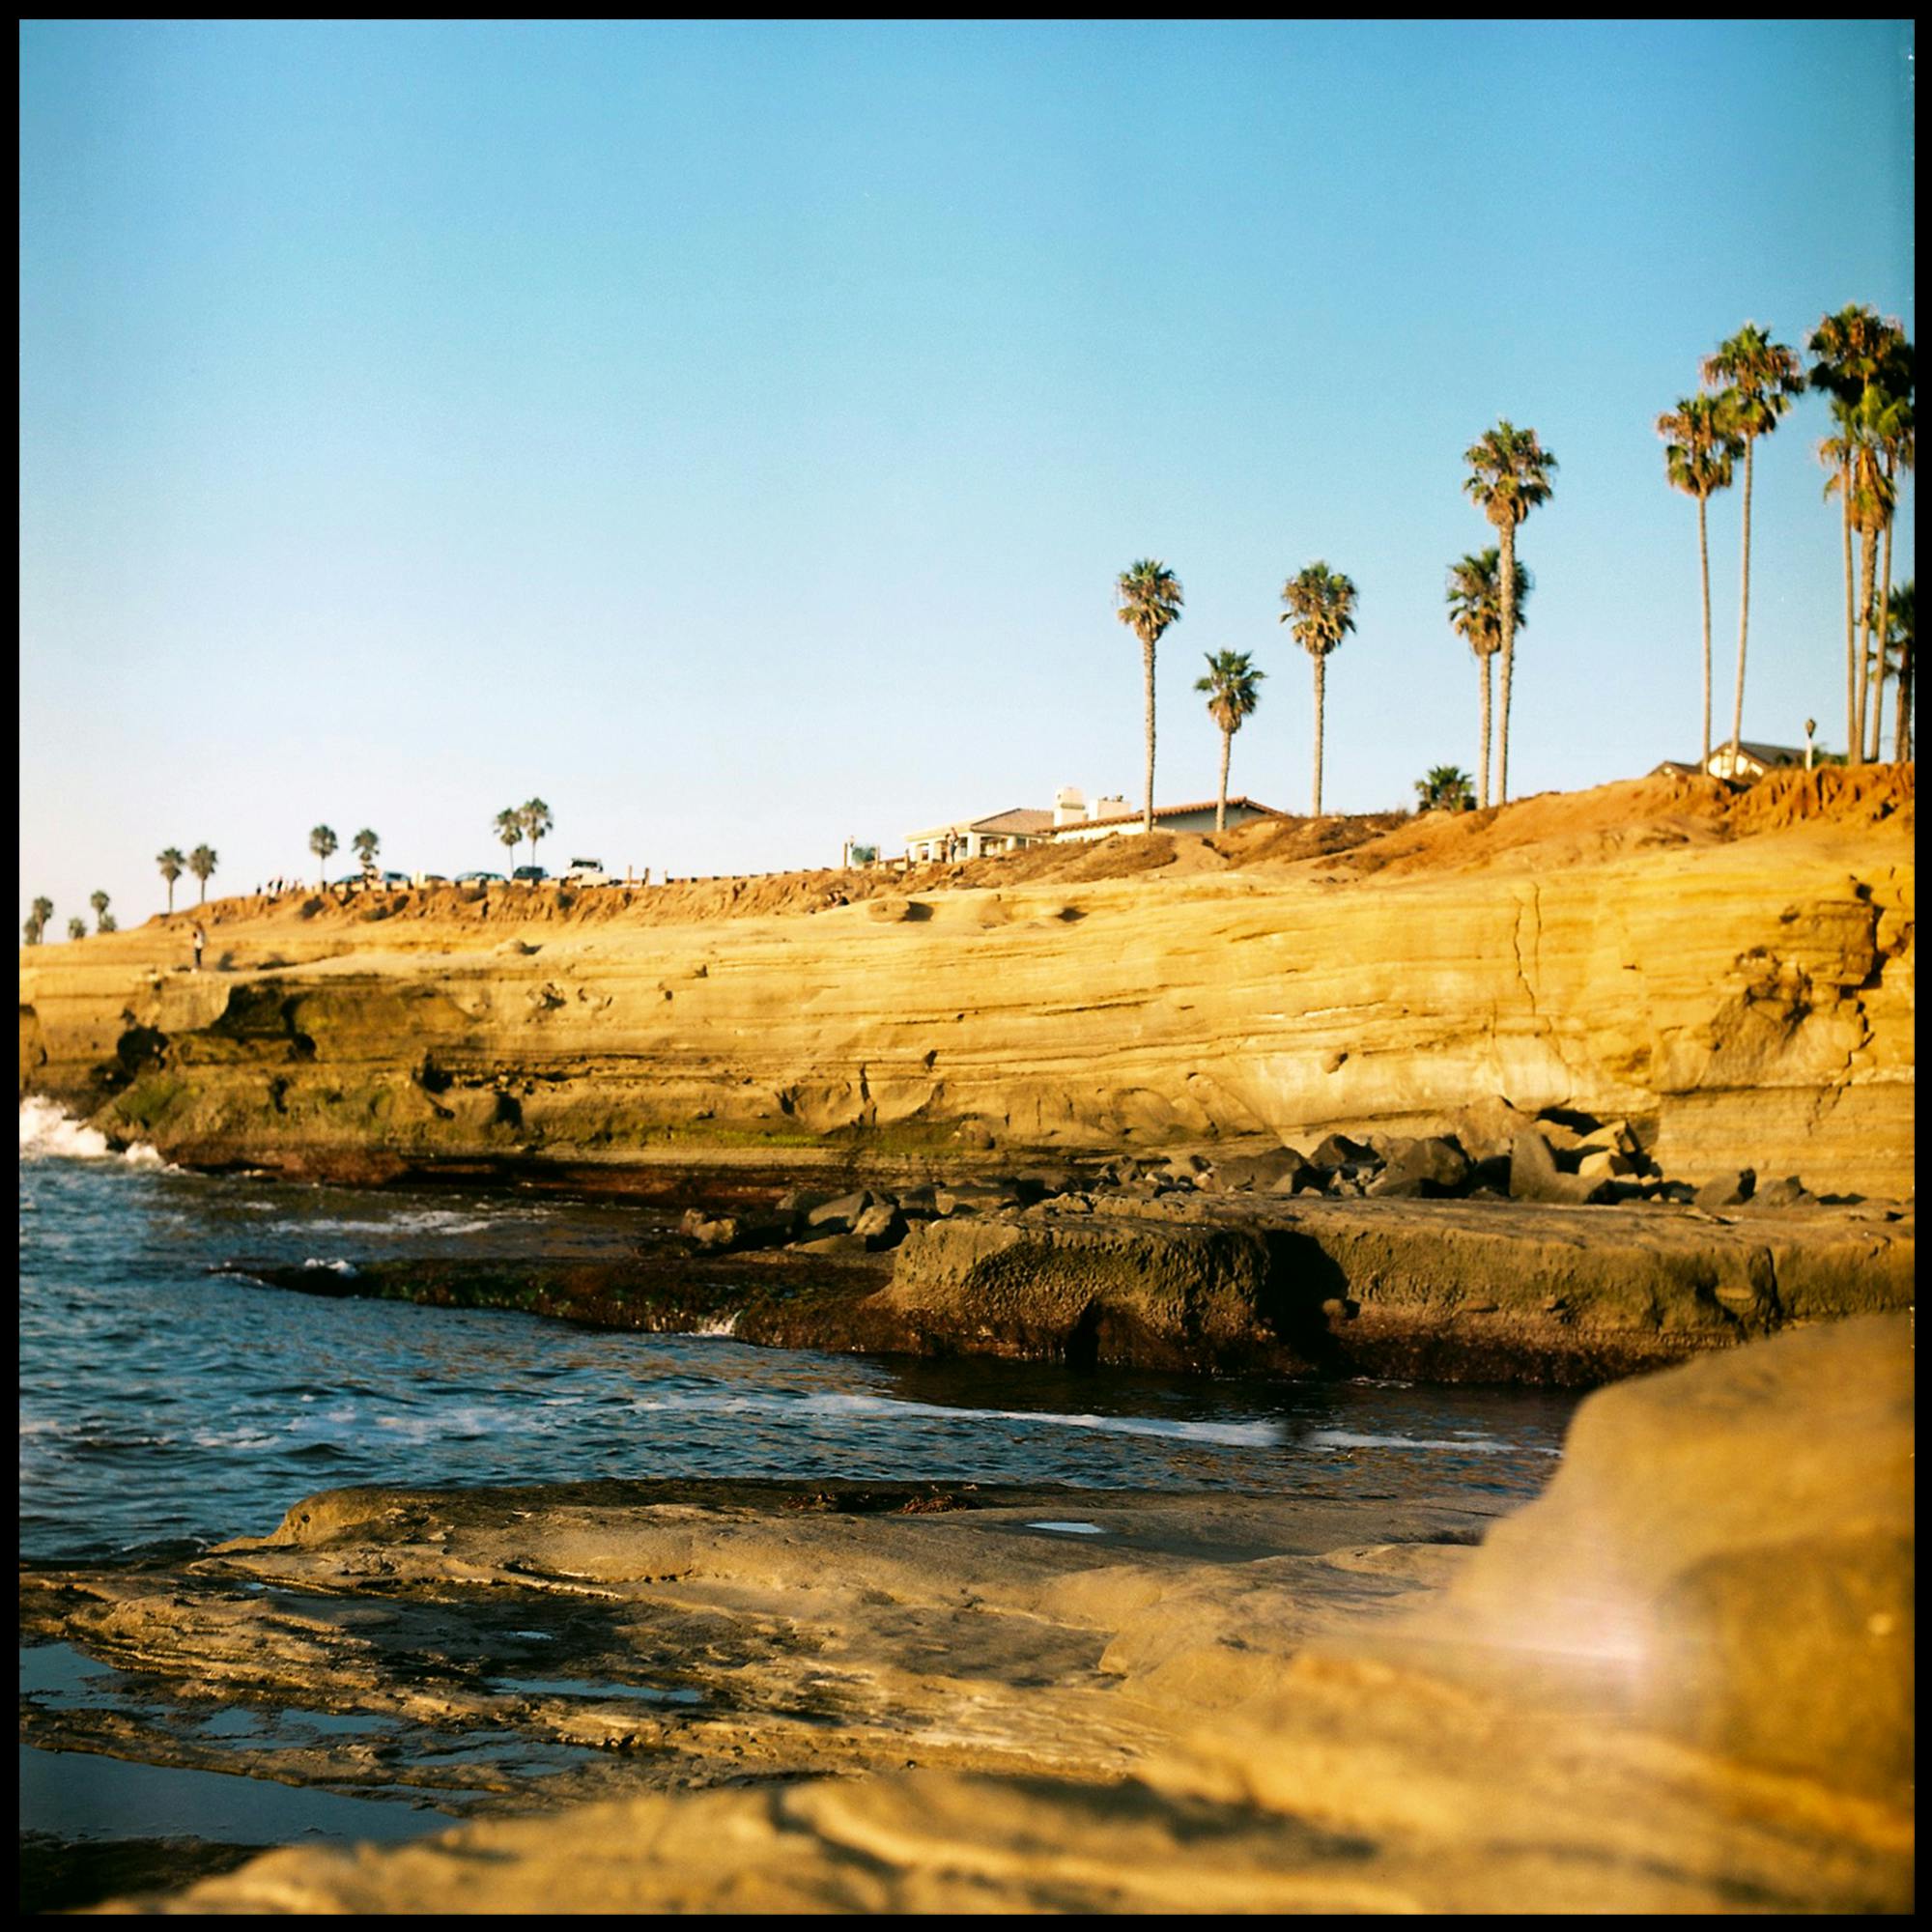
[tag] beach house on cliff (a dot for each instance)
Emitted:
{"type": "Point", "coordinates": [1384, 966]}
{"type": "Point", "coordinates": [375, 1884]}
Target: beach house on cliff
{"type": "Point", "coordinates": [1751, 760]}
{"type": "Point", "coordinates": [1074, 816]}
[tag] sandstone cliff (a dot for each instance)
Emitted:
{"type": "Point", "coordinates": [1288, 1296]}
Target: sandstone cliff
{"type": "Point", "coordinates": [1733, 974]}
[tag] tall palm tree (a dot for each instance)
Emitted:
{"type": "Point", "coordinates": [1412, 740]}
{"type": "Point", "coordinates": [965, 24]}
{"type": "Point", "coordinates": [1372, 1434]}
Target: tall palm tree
{"type": "Point", "coordinates": [99, 901]}
{"type": "Point", "coordinates": [1857, 470]}
{"type": "Point", "coordinates": [1847, 351]}
{"type": "Point", "coordinates": [1475, 614]}
{"type": "Point", "coordinates": [76, 928]}
{"type": "Point", "coordinates": [534, 817]}
{"type": "Point", "coordinates": [1761, 376]}
{"type": "Point", "coordinates": [202, 862]}
{"type": "Point", "coordinates": [1898, 651]}
{"type": "Point", "coordinates": [44, 907]}
{"type": "Point", "coordinates": [1148, 598]}
{"type": "Point", "coordinates": [172, 865]}
{"type": "Point", "coordinates": [366, 843]}
{"type": "Point", "coordinates": [1897, 443]}
{"type": "Point", "coordinates": [509, 828]}
{"type": "Point", "coordinates": [1232, 698]}
{"type": "Point", "coordinates": [322, 843]}
{"type": "Point", "coordinates": [1321, 611]}
{"type": "Point", "coordinates": [1508, 476]}
{"type": "Point", "coordinates": [1701, 445]}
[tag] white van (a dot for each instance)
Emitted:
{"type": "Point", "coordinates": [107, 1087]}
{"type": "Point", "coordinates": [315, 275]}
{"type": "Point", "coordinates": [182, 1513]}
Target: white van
{"type": "Point", "coordinates": [587, 872]}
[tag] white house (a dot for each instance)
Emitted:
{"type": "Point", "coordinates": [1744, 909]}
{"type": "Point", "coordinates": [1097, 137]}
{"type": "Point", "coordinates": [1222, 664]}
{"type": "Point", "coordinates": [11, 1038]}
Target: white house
{"type": "Point", "coordinates": [1074, 816]}
{"type": "Point", "coordinates": [1751, 760]}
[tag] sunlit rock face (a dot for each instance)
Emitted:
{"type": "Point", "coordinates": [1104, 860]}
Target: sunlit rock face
{"type": "Point", "coordinates": [1736, 1538]}
{"type": "Point", "coordinates": [1679, 1682]}
{"type": "Point", "coordinates": [1735, 975]}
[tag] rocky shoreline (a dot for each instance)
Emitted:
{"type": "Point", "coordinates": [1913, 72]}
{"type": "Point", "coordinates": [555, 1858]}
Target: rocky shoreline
{"type": "Point", "coordinates": [1396, 1257]}
{"type": "Point", "coordinates": [1679, 1682]}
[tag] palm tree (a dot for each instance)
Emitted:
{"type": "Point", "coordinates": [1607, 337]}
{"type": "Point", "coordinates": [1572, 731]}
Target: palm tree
{"type": "Point", "coordinates": [1232, 697]}
{"type": "Point", "coordinates": [1475, 614]}
{"type": "Point", "coordinates": [1701, 445]}
{"type": "Point", "coordinates": [365, 844]}
{"type": "Point", "coordinates": [1445, 788]}
{"type": "Point", "coordinates": [534, 817]}
{"type": "Point", "coordinates": [322, 843]}
{"type": "Point", "coordinates": [1321, 611]}
{"type": "Point", "coordinates": [1856, 459]}
{"type": "Point", "coordinates": [1508, 476]}
{"type": "Point", "coordinates": [1762, 377]}
{"type": "Point", "coordinates": [1900, 662]}
{"type": "Point", "coordinates": [1854, 350]}
{"type": "Point", "coordinates": [99, 901]}
{"type": "Point", "coordinates": [44, 911]}
{"type": "Point", "coordinates": [107, 923]}
{"type": "Point", "coordinates": [1150, 599]}
{"type": "Point", "coordinates": [31, 931]}
{"type": "Point", "coordinates": [1847, 351]}
{"type": "Point", "coordinates": [1897, 444]}
{"type": "Point", "coordinates": [509, 828]}
{"type": "Point", "coordinates": [76, 928]}
{"type": "Point", "coordinates": [202, 862]}
{"type": "Point", "coordinates": [171, 863]}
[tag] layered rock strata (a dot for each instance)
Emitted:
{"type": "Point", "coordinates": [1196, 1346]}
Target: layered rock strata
{"type": "Point", "coordinates": [1734, 978]}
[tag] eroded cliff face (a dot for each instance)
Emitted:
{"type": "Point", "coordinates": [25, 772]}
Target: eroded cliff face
{"type": "Point", "coordinates": [1735, 977]}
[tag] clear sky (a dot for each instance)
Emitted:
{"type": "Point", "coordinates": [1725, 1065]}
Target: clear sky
{"type": "Point", "coordinates": [733, 434]}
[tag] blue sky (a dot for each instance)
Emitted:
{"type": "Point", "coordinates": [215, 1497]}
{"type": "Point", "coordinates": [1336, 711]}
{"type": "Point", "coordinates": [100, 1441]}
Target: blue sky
{"type": "Point", "coordinates": [731, 434]}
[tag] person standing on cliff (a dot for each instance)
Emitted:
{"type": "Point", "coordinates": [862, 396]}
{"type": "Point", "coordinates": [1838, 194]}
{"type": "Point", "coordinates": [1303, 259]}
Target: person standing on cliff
{"type": "Point", "coordinates": [199, 939]}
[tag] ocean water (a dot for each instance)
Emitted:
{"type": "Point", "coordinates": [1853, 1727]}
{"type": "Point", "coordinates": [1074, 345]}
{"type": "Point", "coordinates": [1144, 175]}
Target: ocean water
{"type": "Point", "coordinates": [164, 1407]}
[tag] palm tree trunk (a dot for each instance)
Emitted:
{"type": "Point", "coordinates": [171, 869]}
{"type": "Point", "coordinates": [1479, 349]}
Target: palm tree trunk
{"type": "Point", "coordinates": [1221, 804]}
{"type": "Point", "coordinates": [1704, 576]}
{"type": "Point", "coordinates": [1483, 663]}
{"type": "Point", "coordinates": [171, 899]}
{"type": "Point", "coordinates": [1901, 744]}
{"type": "Point", "coordinates": [1850, 624]}
{"type": "Point", "coordinates": [1884, 615]}
{"type": "Point", "coordinates": [1146, 688]}
{"type": "Point", "coordinates": [1321, 667]}
{"type": "Point", "coordinates": [1506, 593]}
{"type": "Point", "coordinates": [1744, 615]}
{"type": "Point", "coordinates": [1868, 678]}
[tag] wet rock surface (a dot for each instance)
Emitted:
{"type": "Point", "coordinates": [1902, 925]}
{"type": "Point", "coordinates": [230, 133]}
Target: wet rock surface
{"type": "Point", "coordinates": [1151, 1266]}
{"type": "Point", "coordinates": [1230, 1707]}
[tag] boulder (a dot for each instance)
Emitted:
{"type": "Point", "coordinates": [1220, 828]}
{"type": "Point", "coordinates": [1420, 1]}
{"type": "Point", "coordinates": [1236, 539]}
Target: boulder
{"type": "Point", "coordinates": [1789, 1192]}
{"type": "Point", "coordinates": [1434, 1165]}
{"type": "Point", "coordinates": [1277, 1170]}
{"type": "Point", "coordinates": [1730, 1189]}
{"type": "Point", "coordinates": [1732, 1541]}
{"type": "Point", "coordinates": [840, 1214]}
{"type": "Point", "coordinates": [1339, 1151]}
{"type": "Point", "coordinates": [1534, 1175]}
{"type": "Point", "coordinates": [880, 1226]}
{"type": "Point", "coordinates": [973, 1197]}
{"type": "Point", "coordinates": [975, 1134]}
{"type": "Point", "coordinates": [1604, 1164]}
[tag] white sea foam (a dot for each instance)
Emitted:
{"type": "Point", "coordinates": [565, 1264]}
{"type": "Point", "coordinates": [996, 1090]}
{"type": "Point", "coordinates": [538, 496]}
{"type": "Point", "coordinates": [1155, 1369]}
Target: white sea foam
{"type": "Point", "coordinates": [48, 1133]}
{"type": "Point", "coordinates": [415, 1221]}
{"type": "Point", "coordinates": [1349, 1439]}
{"type": "Point", "coordinates": [870, 1407]}
{"type": "Point", "coordinates": [338, 1268]}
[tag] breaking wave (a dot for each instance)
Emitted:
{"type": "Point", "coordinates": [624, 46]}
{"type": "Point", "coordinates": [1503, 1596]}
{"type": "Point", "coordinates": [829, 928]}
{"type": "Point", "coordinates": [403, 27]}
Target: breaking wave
{"type": "Point", "coordinates": [50, 1133]}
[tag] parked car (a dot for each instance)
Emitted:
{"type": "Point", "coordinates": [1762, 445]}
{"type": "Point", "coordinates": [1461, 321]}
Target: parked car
{"type": "Point", "coordinates": [587, 872]}
{"type": "Point", "coordinates": [395, 878]}
{"type": "Point", "coordinates": [480, 879]}
{"type": "Point", "coordinates": [431, 879]}
{"type": "Point", "coordinates": [530, 875]}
